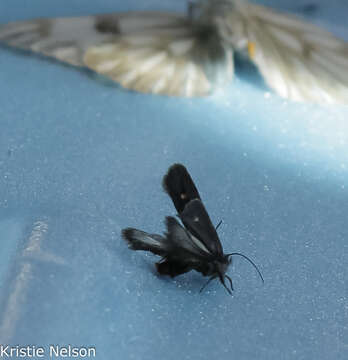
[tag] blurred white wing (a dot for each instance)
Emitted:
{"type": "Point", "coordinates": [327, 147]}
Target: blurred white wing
{"type": "Point", "coordinates": [300, 61]}
{"type": "Point", "coordinates": [145, 51]}
{"type": "Point", "coordinates": [63, 38]}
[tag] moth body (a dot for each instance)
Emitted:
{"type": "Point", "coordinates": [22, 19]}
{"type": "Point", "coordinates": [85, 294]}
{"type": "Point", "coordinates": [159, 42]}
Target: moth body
{"type": "Point", "coordinates": [194, 245]}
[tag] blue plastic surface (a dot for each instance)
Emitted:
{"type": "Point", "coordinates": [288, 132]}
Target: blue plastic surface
{"type": "Point", "coordinates": [80, 159]}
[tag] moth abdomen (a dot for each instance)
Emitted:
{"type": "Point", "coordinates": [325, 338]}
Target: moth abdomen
{"type": "Point", "coordinates": [172, 268]}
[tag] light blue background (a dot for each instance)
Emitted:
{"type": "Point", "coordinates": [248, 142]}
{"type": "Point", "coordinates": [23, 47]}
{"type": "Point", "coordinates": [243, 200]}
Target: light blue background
{"type": "Point", "coordinates": [86, 158]}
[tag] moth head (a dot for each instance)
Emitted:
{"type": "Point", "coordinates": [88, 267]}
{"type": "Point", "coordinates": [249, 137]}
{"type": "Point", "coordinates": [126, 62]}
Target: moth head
{"type": "Point", "coordinates": [221, 266]}
{"type": "Point", "coordinates": [219, 269]}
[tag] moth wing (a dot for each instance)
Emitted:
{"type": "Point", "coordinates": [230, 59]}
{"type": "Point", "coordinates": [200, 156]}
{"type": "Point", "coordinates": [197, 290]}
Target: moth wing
{"type": "Point", "coordinates": [176, 59]}
{"type": "Point", "coordinates": [299, 60]}
{"type": "Point", "coordinates": [177, 242]}
{"type": "Point", "coordinates": [186, 253]}
{"type": "Point", "coordinates": [180, 252]}
{"type": "Point", "coordinates": [197, 221]}
{"type": "Point", "coordinates": [178, 184]}
{"type": "Point", "coordinates": [151, 52]}
{"type": "Point", "coordinates": [141, 240]}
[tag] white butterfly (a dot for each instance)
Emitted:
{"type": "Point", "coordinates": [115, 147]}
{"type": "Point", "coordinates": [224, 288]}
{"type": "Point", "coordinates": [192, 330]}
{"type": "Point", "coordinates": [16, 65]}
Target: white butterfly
{"type": "Point", "coordinates": [191, 55]}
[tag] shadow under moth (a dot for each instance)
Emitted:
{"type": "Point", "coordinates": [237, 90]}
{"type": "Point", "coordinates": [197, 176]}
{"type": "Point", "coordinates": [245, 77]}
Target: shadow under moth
{"type": "Point", "coordinates": [194, 245]}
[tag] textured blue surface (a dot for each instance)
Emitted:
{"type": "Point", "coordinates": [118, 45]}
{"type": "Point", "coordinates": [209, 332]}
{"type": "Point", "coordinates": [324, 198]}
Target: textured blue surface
{"type": "Point", "coordinates": [80, 159]}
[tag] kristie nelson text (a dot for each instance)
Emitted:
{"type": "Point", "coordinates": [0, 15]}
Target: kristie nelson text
{"type": "Point", "coordinates": [53, 351]}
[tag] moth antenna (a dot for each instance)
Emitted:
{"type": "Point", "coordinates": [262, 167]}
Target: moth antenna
{"type": "Point", "coordinates": [218, 225]}
{"type": "Point", "coordinates": [251, 262]}
{"type": "Point", "coordinates": [230, 280]}
{"type": "Point", "coordinates": [210, 279]}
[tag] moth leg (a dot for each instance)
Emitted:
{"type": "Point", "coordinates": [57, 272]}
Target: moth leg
{"type": "Point", "coordinates": [223, 283]}
{"type": "Point", "coordinates": [204, 286]}
{"type": "Point", "coordinates": [230, 280]}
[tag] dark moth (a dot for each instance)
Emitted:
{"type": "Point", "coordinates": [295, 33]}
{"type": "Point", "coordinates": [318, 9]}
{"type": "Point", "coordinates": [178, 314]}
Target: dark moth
{"type": "Point", "coordinates": [194, 246]}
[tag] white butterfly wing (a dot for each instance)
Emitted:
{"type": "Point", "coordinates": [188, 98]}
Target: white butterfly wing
{"type": "Point", "coordinates": [150, 52]}
{"type": "Point", "coordinates": [300, 61]}
{"type": "Point", "coordinates": [68, 38]}
{"type": "Point", "coordinates": [63, 38]}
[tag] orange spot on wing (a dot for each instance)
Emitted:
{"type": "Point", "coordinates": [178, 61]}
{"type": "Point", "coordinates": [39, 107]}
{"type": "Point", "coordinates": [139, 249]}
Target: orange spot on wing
{"type": "Point", "coordinates": [251, 49]}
